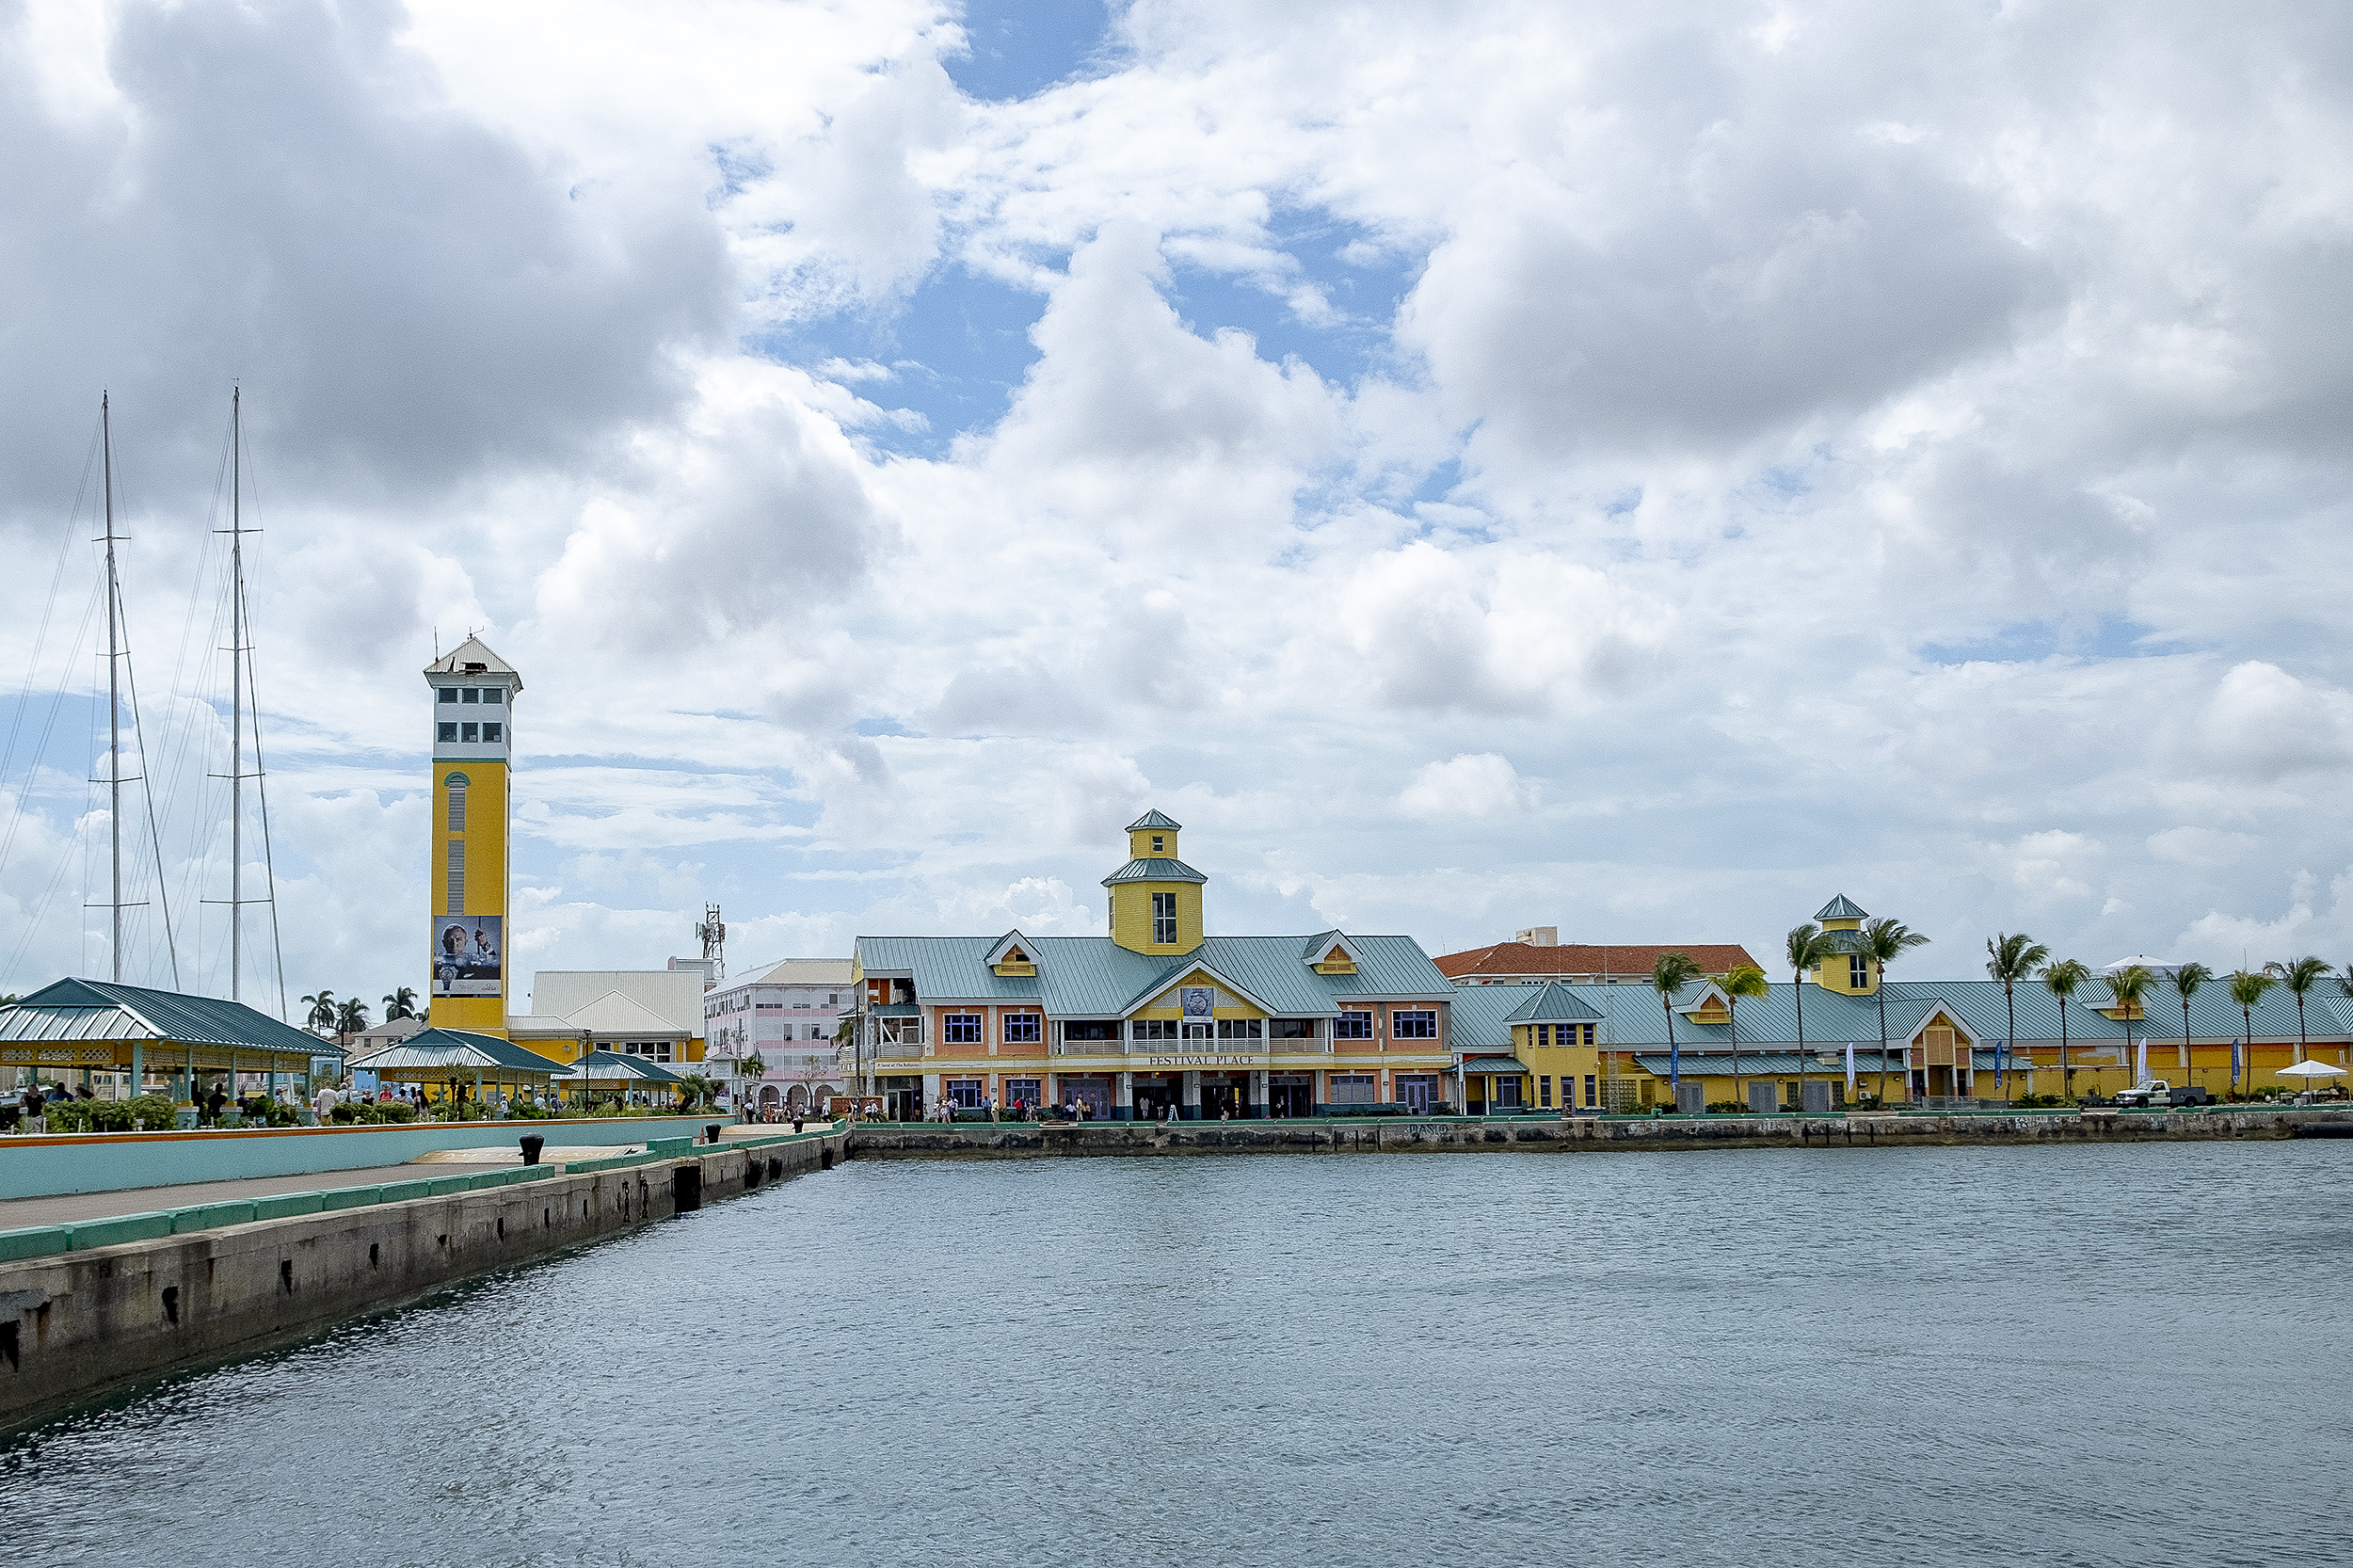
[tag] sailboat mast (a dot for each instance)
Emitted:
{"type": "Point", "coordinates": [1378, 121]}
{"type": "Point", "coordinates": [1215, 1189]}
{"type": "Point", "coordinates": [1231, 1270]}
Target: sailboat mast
{"type": "Point", "coordinates": [236, 687]}
{"type": "Point", "coordinates": [113, 683]}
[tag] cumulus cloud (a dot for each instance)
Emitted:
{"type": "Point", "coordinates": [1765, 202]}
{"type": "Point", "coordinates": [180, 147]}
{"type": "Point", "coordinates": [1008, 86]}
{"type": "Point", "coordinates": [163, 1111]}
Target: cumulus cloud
{"type": "Point", "coordinates": [1875, 448]}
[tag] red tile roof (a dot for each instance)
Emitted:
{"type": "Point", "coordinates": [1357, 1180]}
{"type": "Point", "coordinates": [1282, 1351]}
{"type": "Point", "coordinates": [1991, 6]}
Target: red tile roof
{"type": "Point", "coordinates": [1506, 959]}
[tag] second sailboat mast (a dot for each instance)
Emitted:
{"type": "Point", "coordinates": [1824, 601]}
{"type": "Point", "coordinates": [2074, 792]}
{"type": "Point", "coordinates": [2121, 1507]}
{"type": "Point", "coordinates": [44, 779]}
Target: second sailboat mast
{"type": "Point", "coordinates": [237, 688]}
{"type": "Point", "coordinates": [114, 685]}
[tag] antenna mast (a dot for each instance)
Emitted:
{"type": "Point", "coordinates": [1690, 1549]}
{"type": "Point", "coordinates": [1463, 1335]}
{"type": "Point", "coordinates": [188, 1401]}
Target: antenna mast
{"type": "Point", "coordinates": [713, 933]}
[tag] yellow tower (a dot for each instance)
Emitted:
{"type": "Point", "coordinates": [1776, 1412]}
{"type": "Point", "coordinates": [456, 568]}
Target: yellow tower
{"type": "Point", "coordinates": [1845, 970]}
{"type": "Point", "coordinates": [473, 742]}
{"type": "Point", "coordinates": [1154, 898]}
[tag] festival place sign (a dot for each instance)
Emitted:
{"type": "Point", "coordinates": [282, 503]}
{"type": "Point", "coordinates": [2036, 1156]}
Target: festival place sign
{"type": "Point", "coordinates": [1155, 1064]}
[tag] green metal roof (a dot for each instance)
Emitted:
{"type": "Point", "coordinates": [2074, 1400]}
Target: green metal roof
{"type": "Point", "coordinates": [1767, 1063]}
{"type": "Point", "coordinates": [1154, 871]}
{"type": "Point", "coordinates": [1841, 909]}
{"type": "Point", "coordinates": [1093, 977]}
{"type": "Point", "coordinates": [1552, 1003]}
{"type": "Point", "coordinates": [458, 1049]}
{"type": "Point", "coordinates": [1155, 819]}
{"type": "Point", "coordinates": [606, 1066]}
{"type": "Point", "coordinates": [1474, 1065]}
{"type": "Point", "coordinates": [165, 1015]}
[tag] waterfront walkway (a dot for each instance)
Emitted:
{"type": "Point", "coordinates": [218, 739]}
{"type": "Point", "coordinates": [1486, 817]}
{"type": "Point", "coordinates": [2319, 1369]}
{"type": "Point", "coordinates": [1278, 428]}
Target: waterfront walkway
{"type": "Point", "coordinates": [66, 1208]}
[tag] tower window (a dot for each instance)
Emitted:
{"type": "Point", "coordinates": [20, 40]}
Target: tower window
{"type": "Point", "coordinates": [1159, 843]}
{"type": "Point", "coordinates": [1858, 972]}
{"type": "Point", "coordinates": [447, 732]}
{"type": "Point", "coordinates": [1164, 919]}
{"type": "Point", "coordinates": [457, 808]}
{"type": "Point", "coordinates": [493, 732]}
{"type": "Point", "coordinates": [456, 876]}
{"type": "Point", "coordinates": [472, 695]}
{"type": "Point", "coordinates": [470, 733]}
{"type": "Point", "coordinates": [493, 695]}
{"type": "Point", "coordinates": [447, 693]}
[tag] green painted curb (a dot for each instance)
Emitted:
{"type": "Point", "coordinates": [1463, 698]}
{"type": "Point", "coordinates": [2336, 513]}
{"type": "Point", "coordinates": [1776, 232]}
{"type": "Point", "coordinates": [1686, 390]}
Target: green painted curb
{"type": "Point", "coordinates": [285, 1205]}
{"type": "Point", "coordinates": [122, 1227]}
{"type": "Point", "coordinates": [35, 1241]}
{"type": "Point", "coordinates": [211, 1216]}
{"type": "Point", "coordinates": [350, 1197]}
{"type": "Point", "coordinates": [401, 1192]}
{"type": "Point", "coordinates": [443, 1187]}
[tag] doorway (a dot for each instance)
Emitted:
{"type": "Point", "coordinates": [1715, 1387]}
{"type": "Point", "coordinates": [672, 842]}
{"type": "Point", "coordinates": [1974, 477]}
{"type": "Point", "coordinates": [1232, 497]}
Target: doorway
{"type": "Point", "coordinates": [1153, 1095]}
{"type": "Point", "coordinates": [1290, 1095]}
{"type": "Point", "coordinates": [1416, 1093]}
{"type": "Point", "coordinates": [1222, 1099]}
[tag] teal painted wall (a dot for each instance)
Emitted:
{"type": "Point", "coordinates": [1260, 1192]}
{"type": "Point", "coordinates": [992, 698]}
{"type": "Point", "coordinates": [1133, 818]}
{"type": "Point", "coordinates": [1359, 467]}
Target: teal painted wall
{"type": "Point", "coordinates": [111, 1162]}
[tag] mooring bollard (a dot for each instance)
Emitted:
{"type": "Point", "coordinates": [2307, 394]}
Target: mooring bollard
{"type": "Point", "coordinates": [532, 1144]}
{"type": "Point", "coordinates": [710, 1132]}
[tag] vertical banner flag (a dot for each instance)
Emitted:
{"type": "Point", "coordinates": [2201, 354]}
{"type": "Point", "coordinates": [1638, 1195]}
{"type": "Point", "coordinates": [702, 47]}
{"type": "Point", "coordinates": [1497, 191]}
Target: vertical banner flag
{"type": "Point", "coordinates": [1674, 1060]}
{"type": "Point", "coordinates": [1850, 1066]}
{"type": "Point", "coordinates": [2001, 1064]}
{"type": "Point", "coordinates": [2234, 1063]}
{"type": "Point", "coordinates": [2141, 1066]}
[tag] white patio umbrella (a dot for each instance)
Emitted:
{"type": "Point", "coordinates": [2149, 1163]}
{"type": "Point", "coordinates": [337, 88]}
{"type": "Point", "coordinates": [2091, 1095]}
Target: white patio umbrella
{"type": "Point", "coordinates": [2312, 1070]}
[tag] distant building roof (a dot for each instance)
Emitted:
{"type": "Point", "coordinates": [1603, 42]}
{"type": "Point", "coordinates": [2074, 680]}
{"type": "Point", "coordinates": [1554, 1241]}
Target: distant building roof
{"type": "Point", "coordinates": [673, 996]}
{"type": "Point", "coordinates": [472, 657]}
{"type": "Point", "coordinates": [459, 1050]}
{"type": "Point", "coordinates": [1841, 909]}
{"type": "Point", "coordinates": [1581, 961]}
{"type": "Point", "coordinates": [614, 1013]}
{"type": "Point", "coordinates": [1155, 819]}
{"type": "Point", "coordinates": [1155, 871]}
{"type": "Point", "coordinates": [795, 971]}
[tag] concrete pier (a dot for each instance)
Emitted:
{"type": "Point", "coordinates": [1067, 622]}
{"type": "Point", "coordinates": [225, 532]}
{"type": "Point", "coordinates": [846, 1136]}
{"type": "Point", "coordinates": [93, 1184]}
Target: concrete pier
{"type": "Point", "coordinates": [74, 1323]}
{"type": "Point", "coordinates": [1591, 1133]}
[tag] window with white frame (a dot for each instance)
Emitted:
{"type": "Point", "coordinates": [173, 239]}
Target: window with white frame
{"type": "Point", "coordinates": [1023, 1029]}
{"type": "Point", "coordinates": [1164, 919]}
{"type": "Point", "coordinates": [961, 1029]}
{"type": "Point", "coordinates": [1858, 972]}
{"type": "Point", "coordinates": [1413, 1024]}
{"type": "Point", "coordinates": [1242, 1029]}
{"type": "Point", "coordinates": [963, 1092]}
{"type": "Point", "coordinates": [1153, 1028]}
{"type": "Point", "coordinates": [1356, 1024]}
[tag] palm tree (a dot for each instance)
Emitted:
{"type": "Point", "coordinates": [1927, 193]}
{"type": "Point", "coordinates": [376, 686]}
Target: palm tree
{"type": "Point", "coordinates": [2128, 986]}
{"type": "Point", "coordinates": [2187, 978]}
{"type": "Point", "coordinates": [351, 1016]}
{"type": "Point", "coordinates": [1672, 973]}
{"type": "Point", "coordinates": [1884, 941]}
{"type": "Point", "coordinates": [1741, 980]}
{"type": "Point", "coordinates": [2247, 989]}
{"type": "Point", "coordinates": [2062, 976]}
{"type": "Point", "coordinates": [1808, 945]}
{"type": "Point", "coordinates": [2011, 959]}
{"type": "Point", "coordinates": [402, 1004]}
{"type": "Point", "coordinates": [2301, 975]}
{"type": "Point", "coordinates": [322, 1013]}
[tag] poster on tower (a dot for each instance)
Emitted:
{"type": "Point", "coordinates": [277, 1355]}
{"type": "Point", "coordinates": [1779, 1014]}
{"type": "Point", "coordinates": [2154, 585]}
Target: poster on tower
{"type": "Point", "coordinates": [466, 949]}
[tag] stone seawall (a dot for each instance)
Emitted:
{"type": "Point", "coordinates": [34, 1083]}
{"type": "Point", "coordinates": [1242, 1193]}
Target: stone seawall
{"type": "Point", "coordinates": [75, 1323]}
{"type": "Point", "coordinates": [1582, 1133]}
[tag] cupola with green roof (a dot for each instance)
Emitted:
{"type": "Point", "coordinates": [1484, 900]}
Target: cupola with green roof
{"type": "Point", "coordinates": [1848, 970]}
{"type": "Point", "coordinates": [1155, 899]}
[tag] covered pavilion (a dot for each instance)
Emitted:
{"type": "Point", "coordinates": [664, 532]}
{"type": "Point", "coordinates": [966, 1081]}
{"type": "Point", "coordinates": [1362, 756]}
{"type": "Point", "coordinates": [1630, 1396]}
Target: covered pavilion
{"type": "Point", "coordinates": [133, 1036]}
{"type": "Point", "coordinates": [612, 1071]}
{"type": "Point", "coordinates": [457, 1056]}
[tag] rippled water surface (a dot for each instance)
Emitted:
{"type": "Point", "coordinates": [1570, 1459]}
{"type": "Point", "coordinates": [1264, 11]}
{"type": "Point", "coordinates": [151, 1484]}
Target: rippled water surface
{"type": "Point", "coordinates": [2079, 1356]}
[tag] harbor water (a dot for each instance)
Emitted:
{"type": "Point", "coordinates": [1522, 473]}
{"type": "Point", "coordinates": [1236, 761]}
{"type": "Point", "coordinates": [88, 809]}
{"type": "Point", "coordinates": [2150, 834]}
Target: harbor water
{"type": "Point", "coordinates": [2079, 1356]}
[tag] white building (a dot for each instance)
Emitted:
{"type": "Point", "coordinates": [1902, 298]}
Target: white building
{"type": "Point", "coordinates": [787, 1014]}
{"type": "Point", "coordinates": [657, 1014]}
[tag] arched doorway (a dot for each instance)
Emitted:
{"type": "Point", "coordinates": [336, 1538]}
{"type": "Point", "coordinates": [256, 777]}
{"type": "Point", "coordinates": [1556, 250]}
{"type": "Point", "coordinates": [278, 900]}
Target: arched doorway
{"type": "Point", "coordinates": [796, 1099]}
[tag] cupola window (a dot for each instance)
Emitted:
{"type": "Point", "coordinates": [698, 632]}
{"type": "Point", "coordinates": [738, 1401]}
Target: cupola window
{"type": "Point", "coordinates": [1164, 919]}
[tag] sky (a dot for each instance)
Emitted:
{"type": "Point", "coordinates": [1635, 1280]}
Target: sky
{"type": "Point", "coordinates": [1641, 470]}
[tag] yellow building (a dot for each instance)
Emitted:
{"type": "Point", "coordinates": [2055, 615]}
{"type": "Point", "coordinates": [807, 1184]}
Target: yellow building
{"type": "Point", "coordinates": [473, 739]}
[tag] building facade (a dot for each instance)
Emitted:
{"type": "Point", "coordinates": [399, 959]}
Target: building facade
{"type": "Point", "coordinates": [1598, 1046]}
{"type": "Point", "coordinates": [653, 1014]}
{"type": "Point", "coordinates": [1157, 1018]}
{"type": "Point", "coordinates": [474, 693]}
{"type": "Point", "coordinates": [789, 1016]}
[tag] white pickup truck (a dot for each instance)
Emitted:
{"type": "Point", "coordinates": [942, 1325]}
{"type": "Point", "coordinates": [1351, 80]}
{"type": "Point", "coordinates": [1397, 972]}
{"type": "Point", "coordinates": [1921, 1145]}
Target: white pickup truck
{"type": "Point", "coordinates": [2156, 1091]}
